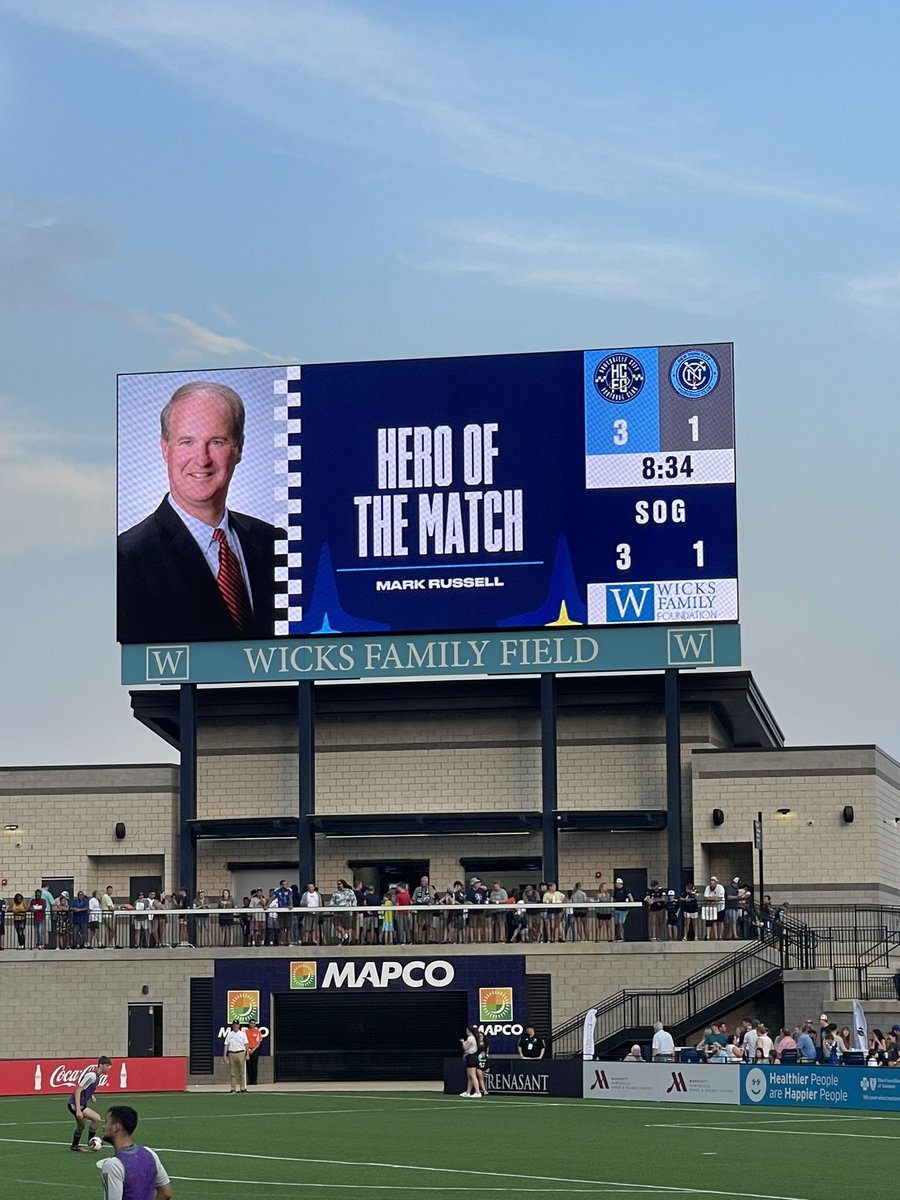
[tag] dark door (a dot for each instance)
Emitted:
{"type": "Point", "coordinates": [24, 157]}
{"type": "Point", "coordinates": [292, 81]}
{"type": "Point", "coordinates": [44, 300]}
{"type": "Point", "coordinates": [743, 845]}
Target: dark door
{"type": "Point", "coordinates": [145, 884]}
{"type": "Point", "coordinates": [369, 1035]}
{"type": "Point", "coordinates": [636, 882]}
{"type": "Point", "coordinates": [145, 1030]}
{"type": "Point", "coordinates": [381, 873]}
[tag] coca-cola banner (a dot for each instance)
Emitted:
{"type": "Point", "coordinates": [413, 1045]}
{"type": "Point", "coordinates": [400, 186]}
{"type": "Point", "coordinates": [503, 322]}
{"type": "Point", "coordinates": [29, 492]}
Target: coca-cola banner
{"type": "Point", "coordinates": [58, 1076]}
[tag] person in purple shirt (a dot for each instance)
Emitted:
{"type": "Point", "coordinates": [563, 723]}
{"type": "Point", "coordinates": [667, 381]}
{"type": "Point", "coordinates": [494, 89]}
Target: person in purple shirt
{"type": "Point", "coordinates": [80, 1100]}
{"type": "Point", "coordinates": [133, 1172]}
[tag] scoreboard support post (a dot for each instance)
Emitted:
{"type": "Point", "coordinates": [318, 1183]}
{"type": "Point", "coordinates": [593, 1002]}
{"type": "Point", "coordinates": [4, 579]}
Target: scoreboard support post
{"type": "Point", "coordinates": [673, 780]}
{"type": "Point", "coordinates": [187, 788]}
{"type": "Point", "coordinates": [549, 834]}
{"type": "Point", "coordinates": [306, 782]}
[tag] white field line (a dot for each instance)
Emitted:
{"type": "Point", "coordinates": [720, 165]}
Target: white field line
{"type": "Point", "coordinates": [631, 1188]}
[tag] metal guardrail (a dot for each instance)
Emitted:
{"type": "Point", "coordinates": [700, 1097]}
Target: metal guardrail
{"type": "Point", "coordinates": [512, 925]}
{"type": "Point", "coordinates": [755, 964]}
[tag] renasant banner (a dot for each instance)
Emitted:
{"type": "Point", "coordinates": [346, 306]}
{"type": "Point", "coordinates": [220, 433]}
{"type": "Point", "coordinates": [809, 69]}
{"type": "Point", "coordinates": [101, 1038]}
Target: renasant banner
{"type": "Point", "coordinates": [527, 491]}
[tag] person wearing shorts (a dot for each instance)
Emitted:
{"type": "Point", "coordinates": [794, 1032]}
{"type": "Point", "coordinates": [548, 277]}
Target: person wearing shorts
{"type": "Point", "coordinates": [690, 911]}
{"type": "Point", "coordinates": [620, 895]}
{"type": "Point", "coordinates": [470, 1062]}
{"type": "Point", "coordinates": [80, 1099]}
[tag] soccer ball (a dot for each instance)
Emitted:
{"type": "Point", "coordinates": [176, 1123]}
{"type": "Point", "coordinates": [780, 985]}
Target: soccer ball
{"type": "Point", "coordinates": [95, 1143]}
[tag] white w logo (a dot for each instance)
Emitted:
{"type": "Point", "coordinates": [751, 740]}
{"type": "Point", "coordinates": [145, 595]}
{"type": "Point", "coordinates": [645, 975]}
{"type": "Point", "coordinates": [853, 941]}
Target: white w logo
{"type": "Point", "coordinates": [690, 645]}
{"type": "Point", "coordinates": [167, 662]}
{"type": "Point", "coordinates": [630, 600]}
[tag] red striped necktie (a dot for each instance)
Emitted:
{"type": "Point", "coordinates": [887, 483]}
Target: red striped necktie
{"type": "Point", "coordinates": [231, 583]}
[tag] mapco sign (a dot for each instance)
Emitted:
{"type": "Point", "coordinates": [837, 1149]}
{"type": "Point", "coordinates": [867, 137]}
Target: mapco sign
{"type": "Point", "coordinates": [365, 976]}
{"type": "Point", "coordinates": [562, 650]}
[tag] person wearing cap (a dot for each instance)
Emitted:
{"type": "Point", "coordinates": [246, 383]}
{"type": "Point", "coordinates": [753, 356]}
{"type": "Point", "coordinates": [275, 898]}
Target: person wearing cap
{"type": "Point", "coordinates": [62, 921]}
{"type": "Point", "coordinates": [621, 895]}
{"type": "Point", "coordinates": [235, 1054]}
{"type": "Point", "coordinates": [690, 913]}
{"type": "Point", "coordinates": [81, 1097]}
{"type": "Point", "coordinates": [476, 893]}
{"type": "Point", "coordinates": [713, 908]}
{"type": "Point", "coordinates": [673, 909]}
{"type": "Point", "coordinates": [733, 892]}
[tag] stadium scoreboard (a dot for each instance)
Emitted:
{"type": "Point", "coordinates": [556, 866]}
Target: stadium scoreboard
{"type": "Point", "coordinates": [503, 492]}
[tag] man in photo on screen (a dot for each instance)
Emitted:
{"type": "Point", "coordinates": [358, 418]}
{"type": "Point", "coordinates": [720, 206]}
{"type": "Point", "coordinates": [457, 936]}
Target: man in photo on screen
{"type": "Point", "coordinates": [195, 570]}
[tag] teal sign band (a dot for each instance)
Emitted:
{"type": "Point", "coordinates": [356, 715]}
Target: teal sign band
{"type": "Point", "coordinates": [562, 651]}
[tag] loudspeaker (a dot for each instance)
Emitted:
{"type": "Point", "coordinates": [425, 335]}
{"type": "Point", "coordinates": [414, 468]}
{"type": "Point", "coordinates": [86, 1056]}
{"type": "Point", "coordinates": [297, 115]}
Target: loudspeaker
{"type": "Point", "coordinates": [120, 830]}
{"type": "Point", "coordinates": [718, 817]}
{"type": "Point", "coordinates": [848, 814]}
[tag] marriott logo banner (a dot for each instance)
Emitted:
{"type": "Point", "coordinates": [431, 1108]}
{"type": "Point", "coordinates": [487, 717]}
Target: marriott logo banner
{"type": "Point", "coordinates": [671, 1082]}
{"type": "Point", "coordinates": [562, 651]}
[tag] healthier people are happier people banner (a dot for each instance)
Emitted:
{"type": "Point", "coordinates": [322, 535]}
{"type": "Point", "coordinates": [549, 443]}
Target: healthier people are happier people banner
{"type": "Point", "coordinates": [512, 492]}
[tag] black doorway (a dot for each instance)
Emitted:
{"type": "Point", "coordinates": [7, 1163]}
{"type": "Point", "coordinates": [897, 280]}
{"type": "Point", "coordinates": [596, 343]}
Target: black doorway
{"type": "Point", "coordinates": [368, 1035]}
{"type": "Point", "coordinates": [145, 1030]}
{"type": "Point", "coordinates": [635, 879]}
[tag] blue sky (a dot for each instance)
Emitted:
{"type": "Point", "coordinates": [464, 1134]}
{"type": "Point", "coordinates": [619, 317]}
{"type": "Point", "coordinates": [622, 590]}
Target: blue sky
{"type": "Point", "coordinates": [209, 183]}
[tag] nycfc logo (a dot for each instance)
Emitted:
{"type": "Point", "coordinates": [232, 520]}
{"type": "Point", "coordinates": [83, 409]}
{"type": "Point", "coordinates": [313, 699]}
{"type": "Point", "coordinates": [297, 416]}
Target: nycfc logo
{"type": "Point", "coordinates": [694, 374]}
{"type": "Point", "coordinates": [619, 378]}
{"type": "Point", "coordinates": [677, 1084]}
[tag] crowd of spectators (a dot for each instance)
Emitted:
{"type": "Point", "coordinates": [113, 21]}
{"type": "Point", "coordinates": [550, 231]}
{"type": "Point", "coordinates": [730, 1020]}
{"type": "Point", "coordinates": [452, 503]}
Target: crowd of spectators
{"type": "Point", "coordinates": [460, 913]}
{"type": "Point", "coordinates": [751, 1041]}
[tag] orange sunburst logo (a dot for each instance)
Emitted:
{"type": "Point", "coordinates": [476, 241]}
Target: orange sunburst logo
{"type": "Point", "coordinates": [495, 1004]}
{"type": "Point", "coordinates": [243, 1007]}
{"type": "Point", "coordinates": [303, 976]}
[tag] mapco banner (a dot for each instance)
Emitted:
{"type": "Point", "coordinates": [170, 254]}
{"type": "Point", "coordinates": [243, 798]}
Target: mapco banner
{"type": "Point", "coordinates": [561, 651]}
{"type": "Point", "coordinates": [678, 1082]}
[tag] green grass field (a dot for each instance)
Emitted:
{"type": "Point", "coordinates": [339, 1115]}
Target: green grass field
{"type": "Point", "coordinates": [422, 1144]}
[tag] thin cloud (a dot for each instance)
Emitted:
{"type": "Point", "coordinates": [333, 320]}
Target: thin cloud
{"type": "Point", "coordinates": [665, 274]}
{"type": "Point", "coordinates": [877, 291]}
{"type": "Point", "coordinates": [62, 506]}
{"type": "Point", "coordinates": [416, 94]}
{"type": "Point", "coordinates": [46, 253]}
{"type": "Point", "coordinates": [194, 339]}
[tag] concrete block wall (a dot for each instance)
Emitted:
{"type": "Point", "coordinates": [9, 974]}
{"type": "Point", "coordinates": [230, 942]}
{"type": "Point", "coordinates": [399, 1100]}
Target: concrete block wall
{"type": "Point", "coordinates": [66, 820]}
{"type": "Point", "coordinates": [810, 853]}
{"type": "Point", "coordinates": [581, 976]}
{"type": "Point", "coordinates": [46, 1024]}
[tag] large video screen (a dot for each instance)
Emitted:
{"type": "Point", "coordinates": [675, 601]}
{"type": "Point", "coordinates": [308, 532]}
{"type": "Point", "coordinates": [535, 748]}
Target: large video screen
{"type": "Point", "coordinates": [520, 491]}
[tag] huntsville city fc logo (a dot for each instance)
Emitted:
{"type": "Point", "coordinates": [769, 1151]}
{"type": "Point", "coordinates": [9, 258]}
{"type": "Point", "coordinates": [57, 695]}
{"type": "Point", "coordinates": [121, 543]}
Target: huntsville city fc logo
{"type": "Point", "coordinates": [303, 976]}
{"type": "Point", "coordinates": [495, 1004]}
{"type": "Point", "coordinates": [619, 378]}
{"type": "Point", "coordinates": [243, 1007]}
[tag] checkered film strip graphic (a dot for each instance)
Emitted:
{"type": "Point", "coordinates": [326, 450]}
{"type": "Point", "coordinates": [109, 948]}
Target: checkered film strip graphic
{"type": "Point", "coordinates": [288, 502]}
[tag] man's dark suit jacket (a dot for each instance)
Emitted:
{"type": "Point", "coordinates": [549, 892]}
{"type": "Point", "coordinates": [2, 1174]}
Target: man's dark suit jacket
{"type": "Point", "coordinates": [167, 593]}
